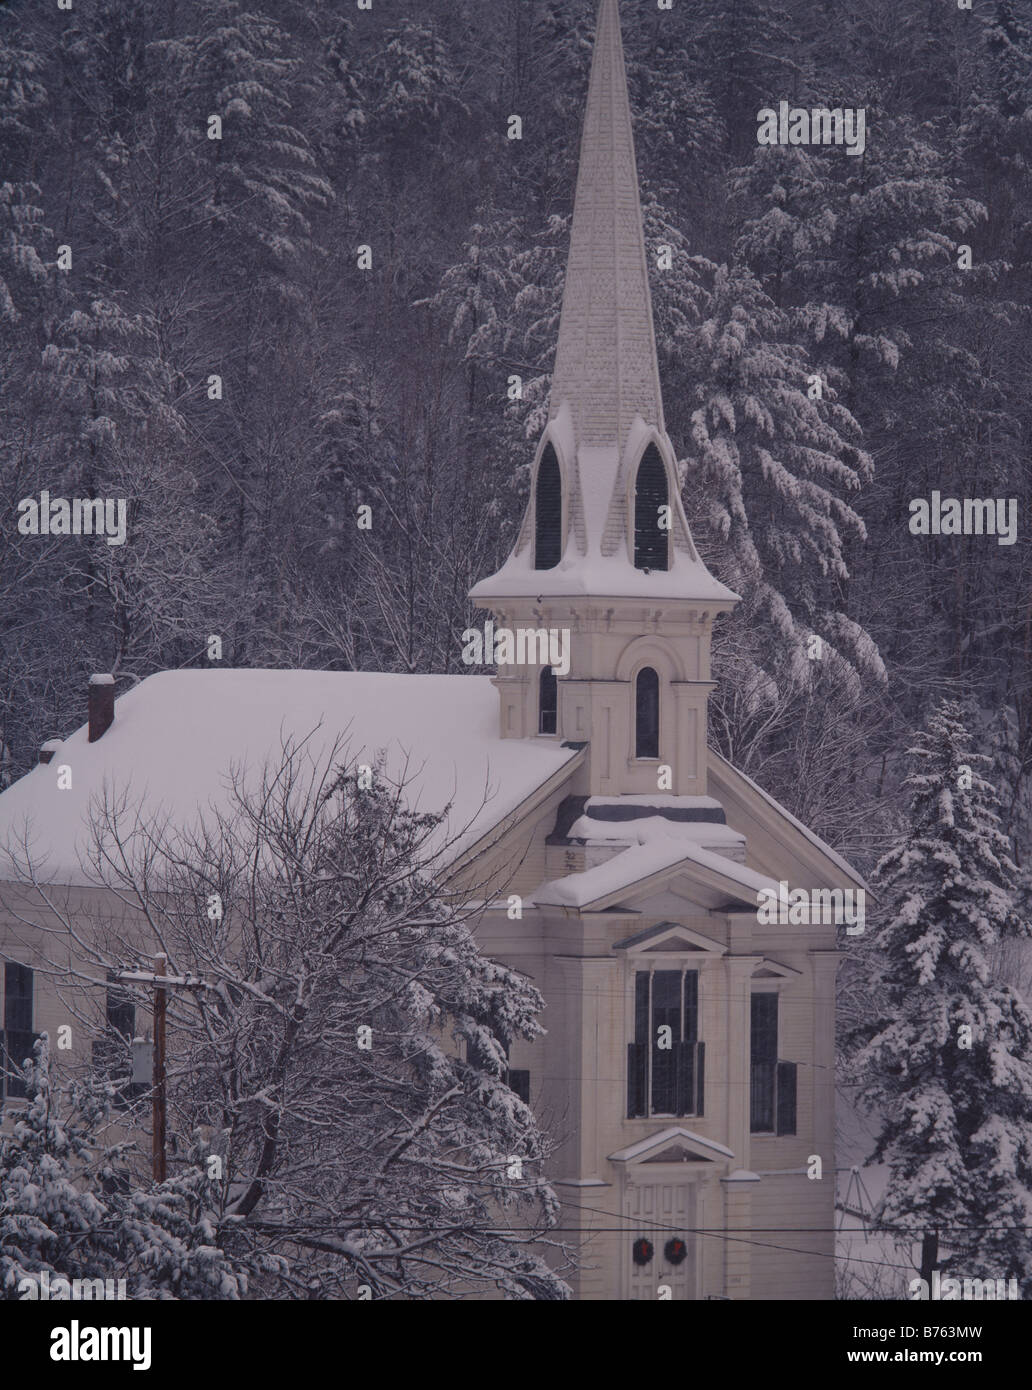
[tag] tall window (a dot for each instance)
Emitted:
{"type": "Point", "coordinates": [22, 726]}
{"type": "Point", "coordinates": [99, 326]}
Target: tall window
{"type": "Point", "coordinates": [548, 512]}
{"type": "Point", "coordinates": [772, 1090]}
{"type": "Point", "coordinates": [548, 702]}
{"type": "Point", "coordinates": [19, 1039]}
{"type": "Point", "coordinates": [665, 1062]}
{"type": "Point", "coordinates": [646, 714]}
{"type": "Point", "coordinates": [112, 1053]}
{"type": "Point", "coordinates": [651, 501]}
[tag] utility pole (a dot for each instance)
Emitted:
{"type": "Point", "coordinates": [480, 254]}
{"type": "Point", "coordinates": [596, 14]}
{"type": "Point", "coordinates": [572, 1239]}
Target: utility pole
{"type": "Point", "coordinates": [158, 1088]}
{"type": "Point", "coordinates": [929, 1256]}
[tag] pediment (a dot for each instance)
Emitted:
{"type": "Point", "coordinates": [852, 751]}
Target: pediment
{"type": "Point", "coordinates": [672, 1145]}
{"type": "Point", "coordinates": [667, 938]}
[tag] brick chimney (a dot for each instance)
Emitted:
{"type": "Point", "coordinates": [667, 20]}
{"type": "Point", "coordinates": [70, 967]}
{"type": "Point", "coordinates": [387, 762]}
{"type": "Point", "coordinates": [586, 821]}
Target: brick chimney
{"type": "Point", "coordinates": [48, 749]}
{"type": "Point", "coordinates": [102, 706]}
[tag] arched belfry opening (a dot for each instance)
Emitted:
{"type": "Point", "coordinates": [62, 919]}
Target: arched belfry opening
{"type": "Point", "coordinates": [646, 714]}
{"type": "Point", "coordinates": [651, 511]}
{"type": "Point", "coordinates": [548, 512]}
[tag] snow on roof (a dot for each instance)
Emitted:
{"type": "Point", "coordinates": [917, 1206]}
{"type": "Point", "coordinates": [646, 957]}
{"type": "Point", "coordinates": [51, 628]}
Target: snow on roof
{"type": "Point", "coordinates": [177, 735]}
{"type": "Point", "coordinates": [661, 845]}
{"type": "Point", "coordinates": [646, 829]}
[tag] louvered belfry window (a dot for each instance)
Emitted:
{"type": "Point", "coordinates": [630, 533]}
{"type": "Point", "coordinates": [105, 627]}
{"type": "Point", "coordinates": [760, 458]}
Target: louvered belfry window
{"type": "Point", "coordinates": [651, 495]}
{"type": "Point", "coordinates": [548, 712]}
{"type": "Point", "coordinates": [646, 714]}
{"type": "Point", "coordinates": [548, 513]}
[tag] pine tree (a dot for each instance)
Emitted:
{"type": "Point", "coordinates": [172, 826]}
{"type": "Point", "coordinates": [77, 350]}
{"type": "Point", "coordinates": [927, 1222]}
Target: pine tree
{"type": "Point", "coordinates": [61, 1210]}
{"type": "Point", "coordinates": [946, 1059]}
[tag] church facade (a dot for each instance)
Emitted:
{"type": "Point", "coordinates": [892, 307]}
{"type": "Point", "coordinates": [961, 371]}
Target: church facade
{"type": "Point", "coordinates": [687, 1071]}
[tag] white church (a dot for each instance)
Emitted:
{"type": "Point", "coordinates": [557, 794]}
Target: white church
{"type": "Point", "coordinates": [690, 1045]}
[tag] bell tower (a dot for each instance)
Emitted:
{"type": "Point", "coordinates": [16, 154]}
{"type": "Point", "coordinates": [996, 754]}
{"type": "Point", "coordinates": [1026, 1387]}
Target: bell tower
{"type": "Point", "coordinates": [604, 559]}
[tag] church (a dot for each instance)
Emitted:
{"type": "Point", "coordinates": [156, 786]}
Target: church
{"type": "Point", "coordinates": [688, 1063]}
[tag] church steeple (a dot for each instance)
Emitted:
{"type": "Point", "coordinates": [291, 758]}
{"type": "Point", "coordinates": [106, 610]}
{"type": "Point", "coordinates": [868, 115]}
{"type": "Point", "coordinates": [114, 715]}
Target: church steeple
{"type": "Point", "coordinates": [605, 552]}
{"type": "Point", "coordinates": [605, 364]}
{"type": "Point", "coordinates": [605, 515]}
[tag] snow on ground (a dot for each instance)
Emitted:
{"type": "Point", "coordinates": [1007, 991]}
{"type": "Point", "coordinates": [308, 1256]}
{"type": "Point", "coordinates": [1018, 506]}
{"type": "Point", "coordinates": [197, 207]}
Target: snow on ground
{"type": "Point", "coordinates": [178, 734]}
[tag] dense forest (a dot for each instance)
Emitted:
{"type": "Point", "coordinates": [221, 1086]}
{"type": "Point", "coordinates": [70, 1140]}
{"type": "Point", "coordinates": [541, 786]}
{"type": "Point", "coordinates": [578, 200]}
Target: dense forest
{"type": "Point", "coordinates": [251, 326]}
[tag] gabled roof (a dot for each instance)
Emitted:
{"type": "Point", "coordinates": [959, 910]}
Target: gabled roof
{"type": "Point", "coordinates": [177, 736]}
{"type": "Point", "coordinates": [655, 1147]}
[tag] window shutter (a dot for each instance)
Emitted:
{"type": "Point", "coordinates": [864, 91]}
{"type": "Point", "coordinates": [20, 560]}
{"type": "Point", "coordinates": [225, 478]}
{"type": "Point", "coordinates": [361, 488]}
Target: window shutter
{"type": "Point", "coordinates": [651, 542]}
{"type": "Point", "coordinates": [548, 512]}
{"type": "Point", "coordinates": [641, 1006]}
{"type": "Point", "coordinates": [684, 1054]}
{"type": "Point", "coordinates": [761, 1097]}
{"type": "Point", "coordinates": [700, 1077]}
{"type": "Point", "coordinates": [786, 1098]}
{"type": "Point", "coordinates": [637, 1078]}
{"type": "Point", "coordinates": [691, 1005]}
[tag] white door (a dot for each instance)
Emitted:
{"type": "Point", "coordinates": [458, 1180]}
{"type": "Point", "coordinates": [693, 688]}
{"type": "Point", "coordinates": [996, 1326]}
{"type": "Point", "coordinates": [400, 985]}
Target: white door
{"type": "Point", "coordinates": [661, 1213]}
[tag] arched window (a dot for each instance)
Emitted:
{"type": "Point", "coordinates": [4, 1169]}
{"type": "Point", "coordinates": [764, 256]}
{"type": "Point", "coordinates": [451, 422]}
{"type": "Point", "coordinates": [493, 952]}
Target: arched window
{"type": "Point", "coordinates": [646, 714]}
{"type": "Point", "coordinates": [548, 513]}
{"type": "Point", "coordinates": [548, 702]}
{"type": "Point", "coordinates": [650, 496]}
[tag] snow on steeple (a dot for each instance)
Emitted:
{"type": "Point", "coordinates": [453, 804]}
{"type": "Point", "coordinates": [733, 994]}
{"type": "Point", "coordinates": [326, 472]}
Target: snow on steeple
{"type": "Point", "coordinates": [605, 517]}
{"type": "Point", "coordinates": [606, 366]}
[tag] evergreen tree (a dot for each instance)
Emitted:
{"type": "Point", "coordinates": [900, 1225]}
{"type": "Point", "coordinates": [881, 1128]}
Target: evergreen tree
{"type": "Point", "coordinates": [946, 1059]}
{"type": "Point", "coordinates": [61, 1210]}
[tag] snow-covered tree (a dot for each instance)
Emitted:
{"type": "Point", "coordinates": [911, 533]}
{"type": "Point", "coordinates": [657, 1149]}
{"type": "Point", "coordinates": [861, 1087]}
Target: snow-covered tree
{"type": "Point", "coordinates": [71, 1206]}
{"type": "Point", "coordinates": [343, 1038]}
{"type": "Point", "coordinates": [946, 1060]}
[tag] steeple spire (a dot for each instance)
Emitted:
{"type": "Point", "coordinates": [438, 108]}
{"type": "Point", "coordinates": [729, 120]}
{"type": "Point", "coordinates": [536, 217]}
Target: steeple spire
{"type": "Point", "coordinates": [605, 366]}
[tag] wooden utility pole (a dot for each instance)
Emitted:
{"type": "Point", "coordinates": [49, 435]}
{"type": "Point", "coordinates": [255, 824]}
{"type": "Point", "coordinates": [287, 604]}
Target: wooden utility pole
{"type": "Point", "coordinates": [929, 1256]}
{"type": "Point", "coordinates": [158, 1086]}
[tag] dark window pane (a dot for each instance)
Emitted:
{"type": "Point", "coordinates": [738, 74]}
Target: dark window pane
{"type": "Point", "coordinates": [18, 1050]}
{"type": "Point", "coordinates": [646, 714]}
{"type": "Point", "coordinates": [764, 1045]}
{"type": "Point", "coordinates": [17, 998]}
{"type": "Point", "coordinates": [700, 1077]}
{"type": "Point", "coordinates": [786, 1097]}
{"type": "Point", "coordinates": [764, 1053]}
{"type": "Point", "coordinates": [651, 548]}
{"type": "Point", "coordinates": [519, 1081]}
{"type": "Point", "coordinates": [549, 702]}
{"type": "Point", "coordinates": [548, 512]}
{"type": "Point", "coordinates": [666, 1012]}
{"type": "Point", "coordinates": [121, 1012]}
{"type": "Point", "coordinates": [691, 1005]}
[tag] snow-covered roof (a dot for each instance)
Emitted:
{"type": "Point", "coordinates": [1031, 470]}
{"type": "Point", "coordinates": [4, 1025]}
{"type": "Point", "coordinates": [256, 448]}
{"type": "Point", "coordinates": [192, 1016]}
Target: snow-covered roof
{"type": "Point", "coordinates": [654, 845]}
{"type": "Point", "coordinates": [177, 735]}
